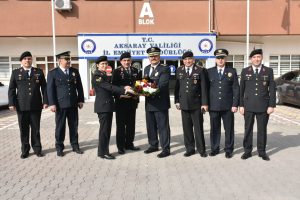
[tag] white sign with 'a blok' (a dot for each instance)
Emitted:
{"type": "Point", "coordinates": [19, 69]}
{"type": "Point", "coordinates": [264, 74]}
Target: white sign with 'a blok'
{"type": "Point", "coordinates": [91, 46]}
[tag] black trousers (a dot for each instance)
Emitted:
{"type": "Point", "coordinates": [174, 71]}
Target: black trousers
{"type": "Point", "coordinates": [30, 120]}
{"type": "Point", "coordinates": [158, 124]}
{"type": "Point", "coordinates": [192, 123]}
{"type": "Point", "coordinates": [125, 120]}
{"type": "Point", "coordinates": [105, 120]}
{"type": "Point", "coordinates": [215, 129]}
{"type": "Point", "coordinates": [71, 114]}
{"type": "Point", "coordinates": [262, 119]}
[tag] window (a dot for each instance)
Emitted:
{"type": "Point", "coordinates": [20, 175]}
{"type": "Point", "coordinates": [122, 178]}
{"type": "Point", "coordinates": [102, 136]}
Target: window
{"type": "Point", "coordinates": [282, 64]}
{"type": "Point", "coordinates": [4, 67]}
{"type": "Point", "coordinates": [236, 61]}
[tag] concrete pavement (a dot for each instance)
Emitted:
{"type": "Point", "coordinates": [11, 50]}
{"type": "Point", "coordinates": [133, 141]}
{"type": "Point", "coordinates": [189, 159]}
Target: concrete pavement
{"type": "Point", "coordinates": [136, 175]}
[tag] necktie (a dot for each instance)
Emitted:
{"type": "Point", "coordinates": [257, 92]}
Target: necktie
{"type": "Point", "coordinates": [188, 71]}
{"type": "Point", "coordinates": [220, 74]}
{"type": "Point", "coordinates": [256, 72]}
{"type": "Point", "coordinates": [152, 72]}
{"type": "Point", "coordinates": [66, 72]}
{"type": "Point", "coordinates": [27, 73]}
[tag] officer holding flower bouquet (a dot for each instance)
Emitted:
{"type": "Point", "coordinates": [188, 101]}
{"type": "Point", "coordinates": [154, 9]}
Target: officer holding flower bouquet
{"type": "Point", "coordinates": [126, 105]}
{"type": "Point", "coordinates": [191, 98]}
{"type": "Point", "coordinates": [157, 106]}
{"type": "Point", "coordinates": [104, 104]}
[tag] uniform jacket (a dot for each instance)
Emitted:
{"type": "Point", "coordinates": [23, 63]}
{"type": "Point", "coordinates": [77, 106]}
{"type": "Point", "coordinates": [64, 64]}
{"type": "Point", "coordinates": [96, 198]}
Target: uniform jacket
{"type": "Point", "coordinates": [64, 91]}
{"type": "Point", "coordinates": [27, 93]}
{"type": "Point", "coordinates": [257, 94]}
{"type": "Point", "coordinates": [122, 78]}
{"type": "Point", "coordinates": [161, 76]}
{"type": "Point", "coordinates": [191, 91]}
{"type": "Point", "coordinates": [223, 93]}
{"type": "Point", "coordinates": [104, 101]}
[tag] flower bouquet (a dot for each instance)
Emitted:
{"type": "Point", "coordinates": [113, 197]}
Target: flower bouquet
{"type": "Point", "coordinates": [145, 88]}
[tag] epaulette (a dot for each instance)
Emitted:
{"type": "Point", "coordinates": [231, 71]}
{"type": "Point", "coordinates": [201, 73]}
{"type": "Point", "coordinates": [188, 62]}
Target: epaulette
{"type": "Point", "coordinates": [119, 67]}
{"type": "Point", "coordinates": [164, 65]}
{"type": "Point", "coordinates": [55, 68]}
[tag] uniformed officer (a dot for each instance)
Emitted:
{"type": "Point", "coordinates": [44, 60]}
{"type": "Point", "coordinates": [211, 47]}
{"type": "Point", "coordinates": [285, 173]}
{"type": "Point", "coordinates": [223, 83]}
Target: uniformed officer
{"type": "Point", "coordinates": [65, 94]}
{"type": "Point", "coordinates": [126, 106]}
{"type": "Point", "coordinates": [157, 106]}
{"type": "Point", "coordinates": [191, 98]}
{"type": "Point", "coordinates": [27, 95]}
{"type": "Point", "coordinates": [257, 99]}
{"type": "Point", "coordinates": [104, 104]}
{"type": "Point", "coordinates": [223, 102]}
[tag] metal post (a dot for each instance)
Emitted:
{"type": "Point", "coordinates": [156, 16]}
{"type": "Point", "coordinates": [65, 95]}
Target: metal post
{"type": "Point", "coordinates": [247, 37]}
{"type": "Point", "coordinates": [53, 32]}
{"type": "Point", "coordinates": [209, 15]}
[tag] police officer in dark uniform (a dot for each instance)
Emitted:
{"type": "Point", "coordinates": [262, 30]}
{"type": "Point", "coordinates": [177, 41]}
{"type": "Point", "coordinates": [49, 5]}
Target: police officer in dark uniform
{"type": "Point", "coordinates": [191, 99]}
{"type": "Point", "coordinates": [126, 105]}
{"type": "Point", "coordinates": [157, 106]}
{"type": "Point", "coordinates": [65, 94]}
{"type": "Point", "coordinates": [223, 103]}
{"type": "Point", "coordinates": [27, 95]}
{"type": "Point", "coordinates": [104, 104]}
{"type": "Point", "coordinates": [257, 99]}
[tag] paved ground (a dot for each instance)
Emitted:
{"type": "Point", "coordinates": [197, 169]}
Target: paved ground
{"type": "Point", "coordinates": [136, 175]}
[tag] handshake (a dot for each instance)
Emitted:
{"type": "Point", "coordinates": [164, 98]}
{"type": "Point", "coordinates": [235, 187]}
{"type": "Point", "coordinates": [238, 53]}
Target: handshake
{"type": "Point", "coordinates": [129, 92]}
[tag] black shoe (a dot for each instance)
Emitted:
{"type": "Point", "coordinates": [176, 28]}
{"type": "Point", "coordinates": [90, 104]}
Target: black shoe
{"type": "Point", "coordinates": [213, 153]}
{"type": "Point", "coordinates": [132, 148]}
{"type": "Point", "coordinates": [203, 154]}
{"type": "Point", "coordinates": [163, 154]}
{"type": "Point", "coordinates": [60, 153]}
{"type": "Point", "coordinates": [264, 157]}
{"type": "Point", "coordinates": [121, 151]}
{"type": "Point", "coordinates": [107, 156]}
{"type": "Point", "coordinates": [189, 153]}
{"type": "Point", "coordinates": [150, 150]}
{"type": "Point", "coordinates": [24, 155]}
{"type": "Point", "coordinates": [246, 156]}
{"type": "Point", "coordinates": [78, 151]}
{"type": "Point", "coordinates": [39, 154]}
{"type": "Point", "coordinates": [228, 155]}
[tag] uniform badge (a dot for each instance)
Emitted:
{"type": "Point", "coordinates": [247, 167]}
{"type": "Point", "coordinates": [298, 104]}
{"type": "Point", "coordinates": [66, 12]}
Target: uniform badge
{"type": "Point", "coordinates": [21, 70]}
{"type": "Point", "coordinates": [264, 83]}
{"type": "Point", "coordinates": [73, 74]}
{"type": "Point", "coordinates": [20, 77]}
{"type": "Point", "coordinates": [229, 74]}
{"type": "Point", "coordinates": [195, 81]}
{"type": "Point", "coordinates": [156, 74]}
{"type": "Point", "coordinates": [98, 79]}
{"type": "Point", "coordinates": [75, 82]}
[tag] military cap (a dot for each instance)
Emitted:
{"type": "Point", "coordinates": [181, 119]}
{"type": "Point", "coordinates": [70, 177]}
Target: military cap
{"type": "Point", "coordinates": [221, 53]}
{"type": "Point", "coordinates": [187, 54]}
{"type": "Point", "coordinates": [153, 51]}
{"type": "Point", "coordinates": [65, 54]}
{"type": "Point", "coordinates": [256, 51]}
{"type": "Point", "coordinates": [101, 59]}
{"type": "Point", "coordinates": [25, 54]}
{"type": "Point", "coordinates": [125, 55]}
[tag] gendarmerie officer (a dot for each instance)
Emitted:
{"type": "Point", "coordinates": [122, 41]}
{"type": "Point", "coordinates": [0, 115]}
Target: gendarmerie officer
{"type": "Point", "coordinates": [125, 105]}
{"type": "Point", "coordinates": [157, 106]}
{"type": "Point", "coordinates": [65, 94]}
{"type": "Point", "coordinates": [27, 94]}
{"type": "Point", "coordinates": [223, 103]}
{"type": "Point", "coordinates": [191, 99]}
{"type": "Point", "coordinates": [104, 104]}
{"type": "Point", "coordinates": [257, 99]}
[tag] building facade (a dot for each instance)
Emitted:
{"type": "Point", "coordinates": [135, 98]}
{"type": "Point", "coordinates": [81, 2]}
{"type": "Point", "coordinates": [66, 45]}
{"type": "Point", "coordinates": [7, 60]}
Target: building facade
{"type": "Point", "coordinates": [27, 25]}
